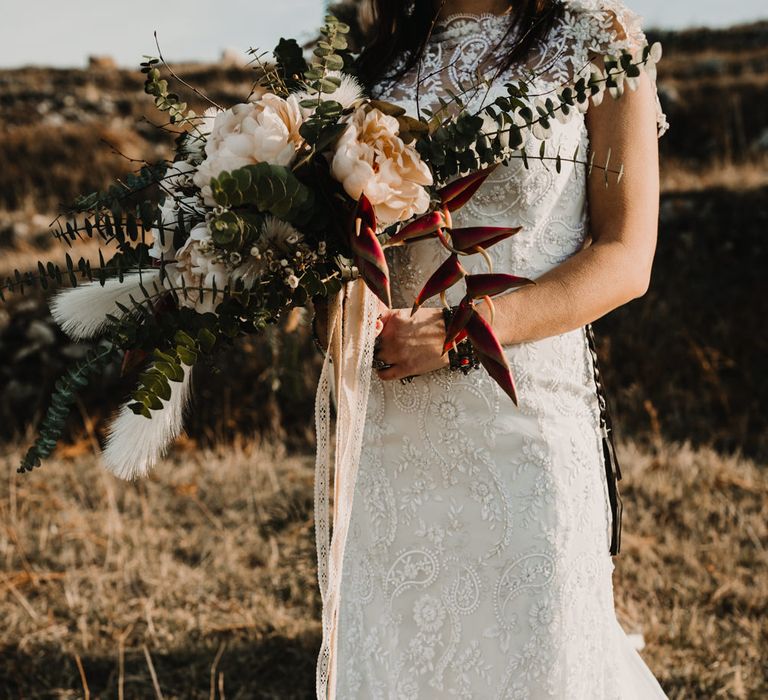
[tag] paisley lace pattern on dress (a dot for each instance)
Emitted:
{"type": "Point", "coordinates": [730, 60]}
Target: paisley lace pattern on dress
{"type": "Point", "coordinates": [477, 562]}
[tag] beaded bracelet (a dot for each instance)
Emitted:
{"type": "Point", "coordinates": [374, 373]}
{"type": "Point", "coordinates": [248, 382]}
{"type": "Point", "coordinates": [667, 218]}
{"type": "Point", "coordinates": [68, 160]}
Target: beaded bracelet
{"type": "Point", "coordinates": [463, 356]}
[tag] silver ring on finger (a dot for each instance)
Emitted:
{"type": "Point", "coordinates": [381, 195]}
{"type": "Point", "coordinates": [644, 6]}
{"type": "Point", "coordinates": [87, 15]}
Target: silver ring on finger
{"type": "Point", "coordinates": [380, 364]}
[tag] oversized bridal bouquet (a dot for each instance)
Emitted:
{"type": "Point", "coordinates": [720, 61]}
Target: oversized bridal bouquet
{"type": "Point", "coordinates": [275, 201]}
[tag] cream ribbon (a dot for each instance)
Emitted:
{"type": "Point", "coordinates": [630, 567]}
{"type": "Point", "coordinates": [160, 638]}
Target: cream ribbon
{"type": "Point", "coordinates": [351, 334]}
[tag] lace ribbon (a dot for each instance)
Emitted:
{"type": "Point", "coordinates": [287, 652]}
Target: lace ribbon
{"type": "Point", "coordinates": [351, 334]}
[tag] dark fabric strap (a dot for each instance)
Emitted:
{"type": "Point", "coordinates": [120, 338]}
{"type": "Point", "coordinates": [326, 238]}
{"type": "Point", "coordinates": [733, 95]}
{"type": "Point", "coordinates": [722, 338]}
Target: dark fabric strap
{"type": "Point", "coordinates": [612, 468]}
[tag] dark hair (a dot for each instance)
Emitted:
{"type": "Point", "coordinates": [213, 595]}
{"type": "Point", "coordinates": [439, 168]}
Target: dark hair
{"type": "Point", "coordinates": [392, 33]}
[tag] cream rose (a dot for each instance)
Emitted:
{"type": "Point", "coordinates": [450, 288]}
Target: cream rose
{"type": "Point", "coordinates": [265, 131]}
{"type": "Point", "coordinates": [371, 158]}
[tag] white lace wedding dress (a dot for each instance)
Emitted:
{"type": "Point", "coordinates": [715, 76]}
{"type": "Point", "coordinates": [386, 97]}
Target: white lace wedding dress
{"type": "Point", "coordinates": [477, 562]}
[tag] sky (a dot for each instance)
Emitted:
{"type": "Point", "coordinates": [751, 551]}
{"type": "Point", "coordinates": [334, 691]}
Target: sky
{"type": "Point", "coordinates": [66, 32]}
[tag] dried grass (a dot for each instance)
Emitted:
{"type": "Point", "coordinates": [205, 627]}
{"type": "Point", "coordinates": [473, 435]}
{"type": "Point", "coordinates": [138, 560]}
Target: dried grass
{"type": "Point", "coordinates": [218, 547]}
{"type": "Point", "coordinates": [678, 177]}
{"type": "Point", "coordinates": [200, 582]}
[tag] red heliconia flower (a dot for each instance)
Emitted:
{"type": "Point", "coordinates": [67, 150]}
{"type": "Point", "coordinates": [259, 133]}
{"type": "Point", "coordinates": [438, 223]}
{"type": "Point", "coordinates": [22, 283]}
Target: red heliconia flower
{"type": "Point", "coordinates": [372, 263]}
{"type": "Point", "coordinates": [131, 360]}
{"type": "Point", "coordinates": [376, 279]}
{"type": "Point", "coordinates": [490, 284]}
{"type": "Point", "coordinates": [163, 304]}
{"type": "Point", "coordinates": [448, 274]}
{"type": "Point", "coordinates": [364, 215]}
{"type": "Point", "coordinates": [467, 239]}
{"type": "Point", "coordinates": [423, 227]}
{"type": "Point", "coordinates": [501, 375]}
{"type": "Point", "coordinates": [455, 332]}
{"type": "Point", "coordinates": [460, 191]}
{"type": "Point", "coordinates": [366, 245]}
{"type": "Point", "coordinates": [491, 354]}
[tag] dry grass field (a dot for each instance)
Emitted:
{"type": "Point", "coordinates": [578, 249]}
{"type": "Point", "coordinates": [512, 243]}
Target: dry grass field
{"type": "Point", "coordinates": [200, 582]}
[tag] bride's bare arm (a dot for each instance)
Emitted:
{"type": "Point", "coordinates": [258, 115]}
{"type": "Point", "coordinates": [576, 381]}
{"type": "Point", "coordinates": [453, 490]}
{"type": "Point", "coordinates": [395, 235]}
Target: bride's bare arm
{"type": "Point", "coordinates": [613, 270]}
{"type": "Point", "coordinates": [616, 267]}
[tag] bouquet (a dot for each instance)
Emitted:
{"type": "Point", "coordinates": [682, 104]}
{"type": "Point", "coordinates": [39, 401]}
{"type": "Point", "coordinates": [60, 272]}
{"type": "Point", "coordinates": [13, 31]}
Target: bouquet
{"type": "Point", "coordinates": [276, 201]}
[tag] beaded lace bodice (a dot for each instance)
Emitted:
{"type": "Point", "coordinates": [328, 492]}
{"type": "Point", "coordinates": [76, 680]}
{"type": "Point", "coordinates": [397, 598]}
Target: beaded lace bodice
{"type": "Point", "coordinates": [477, 561]}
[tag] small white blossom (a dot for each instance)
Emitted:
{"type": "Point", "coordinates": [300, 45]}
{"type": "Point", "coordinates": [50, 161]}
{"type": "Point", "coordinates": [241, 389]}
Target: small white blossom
{"type": "Point", "coordinates": [279, 234]}
{"type": "Point", "coordinates": [348, 94]}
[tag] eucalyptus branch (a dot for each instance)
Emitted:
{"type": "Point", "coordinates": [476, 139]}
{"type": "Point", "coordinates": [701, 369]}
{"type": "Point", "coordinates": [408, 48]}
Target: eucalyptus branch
{"type": "Point", "coordinates": [274, 80]}
{"type": "Point", "coordinates": [62, 400]}
{"type": "Point", "coordinates": [197, 92]}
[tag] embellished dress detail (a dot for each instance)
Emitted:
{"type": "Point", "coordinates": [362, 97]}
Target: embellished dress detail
{"type": "Point", "coordinates": [477, 561]}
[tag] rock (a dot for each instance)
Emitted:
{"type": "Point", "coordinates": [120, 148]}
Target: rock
{"type": "Point", "coordinates": [232, 58]}
{"type": "Point", "coordinates": [40, 332]}
{"type": "Point", "coordinates": [106, 63]}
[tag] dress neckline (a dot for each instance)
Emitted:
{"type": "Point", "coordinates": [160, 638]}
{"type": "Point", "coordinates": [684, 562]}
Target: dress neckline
{"type": "Point", "coordinates": [462, 24]}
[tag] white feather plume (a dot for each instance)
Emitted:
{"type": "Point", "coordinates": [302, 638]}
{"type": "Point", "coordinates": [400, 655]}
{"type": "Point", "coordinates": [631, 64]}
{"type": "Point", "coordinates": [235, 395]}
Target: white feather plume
{"type": "Point", "coordinates": [135, 443]}
{"type": "Point", "coordinates": [81, 311]}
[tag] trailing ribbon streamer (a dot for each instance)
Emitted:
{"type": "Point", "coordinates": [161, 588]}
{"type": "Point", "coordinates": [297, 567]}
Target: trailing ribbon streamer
{"type": "Point", "coordinates": [351, 334]}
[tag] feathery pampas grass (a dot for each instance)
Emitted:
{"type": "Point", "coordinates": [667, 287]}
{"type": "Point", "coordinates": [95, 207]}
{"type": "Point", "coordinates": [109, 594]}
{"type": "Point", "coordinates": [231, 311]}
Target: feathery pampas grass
{"type": "Point", "coordinates": [134, 443]}
{"type": "Point", "coordinates": [81, 311]}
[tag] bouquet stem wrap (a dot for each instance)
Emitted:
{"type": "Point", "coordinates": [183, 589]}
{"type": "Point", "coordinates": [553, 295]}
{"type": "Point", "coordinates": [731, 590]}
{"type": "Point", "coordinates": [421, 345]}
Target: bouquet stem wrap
{"type": "Point", "coordinates": [351, 334]}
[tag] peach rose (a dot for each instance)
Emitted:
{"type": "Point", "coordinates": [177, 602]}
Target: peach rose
{"type": "Point", "coordinates": [371, 158]}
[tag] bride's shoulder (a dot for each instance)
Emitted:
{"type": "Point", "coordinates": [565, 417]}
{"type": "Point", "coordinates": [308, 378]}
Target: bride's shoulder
{"type": "Point", "coordinates": [596, 28]}
{"type": "Point", "coordinates": [602, 26]}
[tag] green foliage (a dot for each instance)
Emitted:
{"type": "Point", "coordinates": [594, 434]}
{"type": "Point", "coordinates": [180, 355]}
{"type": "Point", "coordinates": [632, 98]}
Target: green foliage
{"type": "Point", "coordinates": [331, 55]}
{"type": "Point", "coordinates": [154, 383]}
{"type": "Point", "coordinates": [123, 214]}
{"type": "Point", "coordinates": [50, 274]}
{"type": "Point", "coordinates": [165, 100]}
{"type": "Point", "coordinates": [461, 144]}
{"type": "Point", "coordinates": [269, 188]}
{"type": "Point", "coordinates": [291, 65]}
{"type": "Point", "coordinates": [65, 393]}
{"type": "Point", "coordinates": [121, 194]}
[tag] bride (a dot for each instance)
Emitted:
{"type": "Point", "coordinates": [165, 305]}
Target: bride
{"type": "Point", "coordinates": [478, 557]}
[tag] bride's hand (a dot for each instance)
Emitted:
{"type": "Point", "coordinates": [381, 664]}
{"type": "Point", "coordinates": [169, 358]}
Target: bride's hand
{"type": "Point", "coordinates": [413, 345]}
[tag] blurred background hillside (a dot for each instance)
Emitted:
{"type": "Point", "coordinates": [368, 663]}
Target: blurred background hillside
{"type": "Point", "coordinates": [682, 363]}
{"type": "Point", "coordinates": [212, 572]}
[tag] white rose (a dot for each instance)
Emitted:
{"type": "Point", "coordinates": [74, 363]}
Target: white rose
{"type": "Point", "coordinates": [176, 177]}
{"type": "Point", "coordinates": [265, 131]}
{"type": "Point", "coordinates": [372, 159]}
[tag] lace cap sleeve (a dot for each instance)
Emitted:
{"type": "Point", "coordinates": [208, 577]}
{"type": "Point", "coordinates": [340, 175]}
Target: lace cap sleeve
{"type": "Point", "coordinates": [606, 27]}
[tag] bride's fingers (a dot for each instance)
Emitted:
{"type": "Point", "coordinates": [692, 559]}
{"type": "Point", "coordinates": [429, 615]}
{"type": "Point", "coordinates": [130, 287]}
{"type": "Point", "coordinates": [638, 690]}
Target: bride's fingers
{"type": "Point", "coordinates": [381, 320]}
{"type": "Point", "coordinates": [390, 373]}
